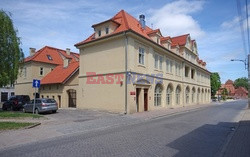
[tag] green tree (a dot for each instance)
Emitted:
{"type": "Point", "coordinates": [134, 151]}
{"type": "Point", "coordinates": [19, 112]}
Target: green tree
{"type": "Point", "coordinates": [11, 55]}
{"type": "Point", "coordinates": [215, 83]}
{"type": "Point", "coordinates": [241, 82]}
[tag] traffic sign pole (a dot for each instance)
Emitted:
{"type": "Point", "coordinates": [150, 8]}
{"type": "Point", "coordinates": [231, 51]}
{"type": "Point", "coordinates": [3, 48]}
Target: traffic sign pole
{"type": "Point", "coordinates": [34, 102]}
{"type": "Point", "coordinates": [35, 84]}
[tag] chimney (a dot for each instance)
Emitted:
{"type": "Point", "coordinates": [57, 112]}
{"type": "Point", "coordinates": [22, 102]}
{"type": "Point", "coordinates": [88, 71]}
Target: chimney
{"type": "Point", "coordinates": [32, 51]}
{"type": "Point", "coordinates": [68, 51]}
{"type": "Point", "coordinates": [142, 21]}
{"type": "Point", "coordinates": [65, 63]}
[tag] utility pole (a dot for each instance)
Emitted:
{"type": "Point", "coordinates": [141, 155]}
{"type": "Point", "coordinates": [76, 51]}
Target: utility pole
{"type": "Point", "coordinates": [248, 68]}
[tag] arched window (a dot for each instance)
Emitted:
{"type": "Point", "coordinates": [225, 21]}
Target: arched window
{"type": "Point", "coordinates": [169, 95]}
{"type": "Point", "coordinates": [193, 92]}
{"type": "Point", "coordinates": [198, 95]}
{"type": "Point", "coordinates": [158, 91]}
{"type": "Point", "coordinates": [177, 94]}
{"type": "Point", "coordinates": [187, 95]}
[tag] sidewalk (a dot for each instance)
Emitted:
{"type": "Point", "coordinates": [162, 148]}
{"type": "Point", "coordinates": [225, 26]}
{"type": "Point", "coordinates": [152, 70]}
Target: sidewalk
{"type": "Point", "coordinates": [239, 145]}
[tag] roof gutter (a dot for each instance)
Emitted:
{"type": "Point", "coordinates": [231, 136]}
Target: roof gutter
{"type": "Point", "coordinates": [126, 72]}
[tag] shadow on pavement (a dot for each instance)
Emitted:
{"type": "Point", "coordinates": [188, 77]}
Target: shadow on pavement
{"type": "Point", "coordinates": [206, 141]}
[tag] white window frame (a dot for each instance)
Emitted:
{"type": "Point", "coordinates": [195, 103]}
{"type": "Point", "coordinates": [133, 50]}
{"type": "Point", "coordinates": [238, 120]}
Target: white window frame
{"type": "Point", "coordinates": [160, 62]}
{"type": "Point", "coordinates": [141, 56]}
{"type": "Point", "coordinates": [41, 71]}
{"type": "Point", "coordinates": [107, 30]}
{"type": "Point", "coordinates": [156, 57]}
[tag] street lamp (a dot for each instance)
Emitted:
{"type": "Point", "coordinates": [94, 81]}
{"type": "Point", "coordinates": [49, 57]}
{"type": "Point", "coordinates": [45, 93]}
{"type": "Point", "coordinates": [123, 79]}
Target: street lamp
{"type": "Point", "coordinates": [240, 60]}
{"type": "Point", "coordinates": [247, 66]}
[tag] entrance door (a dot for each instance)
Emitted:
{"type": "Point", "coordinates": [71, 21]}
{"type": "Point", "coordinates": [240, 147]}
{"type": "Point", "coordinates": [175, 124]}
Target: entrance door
{"type": "Point", "coordinates": [59, 99]}
{"type": "Point", "coordinates": [138, 90]}
{"type": "Point", "coordinates": [145, 99]}
{"type": "Point", "coordinates": [72, 97]}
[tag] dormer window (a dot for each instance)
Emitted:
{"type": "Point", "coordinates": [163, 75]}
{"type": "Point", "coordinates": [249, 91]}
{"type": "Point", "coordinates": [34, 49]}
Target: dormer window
{"type": "Point", "coordinates": [157, 40]}
{"type": "Point", "coordinates": [49, 57]}
{"type": "Point", "coordinates": [107, 30]}
{"type": "Point", "coordinates": [99, 33]}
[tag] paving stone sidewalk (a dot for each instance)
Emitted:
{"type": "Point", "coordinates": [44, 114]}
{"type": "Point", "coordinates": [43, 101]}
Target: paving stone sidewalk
{"type": "Point", "coordinates": [239, 144]}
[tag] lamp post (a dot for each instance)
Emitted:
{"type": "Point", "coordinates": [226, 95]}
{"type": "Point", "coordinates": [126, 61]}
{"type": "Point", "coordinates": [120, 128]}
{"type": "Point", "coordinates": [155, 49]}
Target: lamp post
{"type": "Point", "coordinates": [247, 66]}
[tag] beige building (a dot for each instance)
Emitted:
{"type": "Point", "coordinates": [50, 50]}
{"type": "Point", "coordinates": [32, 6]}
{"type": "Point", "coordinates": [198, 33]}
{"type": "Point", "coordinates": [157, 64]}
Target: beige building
{"type": "Point", "coordinates": [128, 67]}
{"type": "Point", "coordinates": [58, 71]}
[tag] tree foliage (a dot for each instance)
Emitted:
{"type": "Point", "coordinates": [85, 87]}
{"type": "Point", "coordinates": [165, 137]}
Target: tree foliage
{"type": "Point", "coordinates": [241, 82]}
{"type": "Point", "coordinates": [11, 55]}
{"type": "Point", "coordinates": [215, 83]}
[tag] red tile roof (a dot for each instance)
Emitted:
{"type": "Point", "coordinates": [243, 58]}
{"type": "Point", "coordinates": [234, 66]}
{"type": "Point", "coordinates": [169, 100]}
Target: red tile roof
{"type": "Point", "coordinates": [55, 53]}
{"type": "Point", "coordinates": [126, 22]}
{"type": "Point", "coordinates": [180, 40]}
{"type": "Point", "coordinates": [60, 74]}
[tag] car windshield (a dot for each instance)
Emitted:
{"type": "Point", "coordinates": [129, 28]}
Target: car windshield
{"type": "Point", "coordinates": [49, 101]}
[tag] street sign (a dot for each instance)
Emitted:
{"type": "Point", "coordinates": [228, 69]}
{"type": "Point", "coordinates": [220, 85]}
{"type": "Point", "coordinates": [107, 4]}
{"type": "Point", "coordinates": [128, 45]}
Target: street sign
{"type": "Point", "coordinates": [36, 83]}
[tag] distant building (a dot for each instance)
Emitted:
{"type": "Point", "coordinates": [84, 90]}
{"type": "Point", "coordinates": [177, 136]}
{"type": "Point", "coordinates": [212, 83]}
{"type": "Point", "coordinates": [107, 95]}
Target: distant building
{"type": "Point", "coordinates": [238, 93]}
{"type": "Point", "coordinates": [241, 93]}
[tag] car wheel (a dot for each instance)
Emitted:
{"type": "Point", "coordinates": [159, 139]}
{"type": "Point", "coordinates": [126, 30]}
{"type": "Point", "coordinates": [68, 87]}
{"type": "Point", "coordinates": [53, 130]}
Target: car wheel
{"type": "Point", "coordinates": [36, 111]}
{"type": "Point", "coordinates": [54, 111]}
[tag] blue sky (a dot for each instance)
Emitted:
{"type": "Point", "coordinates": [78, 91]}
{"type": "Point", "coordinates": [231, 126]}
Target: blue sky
{"type": "Point", "coordinates": [60, 23]}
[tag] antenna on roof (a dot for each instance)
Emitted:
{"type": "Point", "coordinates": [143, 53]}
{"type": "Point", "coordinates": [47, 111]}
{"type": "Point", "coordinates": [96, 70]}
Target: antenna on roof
{"type": "Point", "coordinates": [152, 25]}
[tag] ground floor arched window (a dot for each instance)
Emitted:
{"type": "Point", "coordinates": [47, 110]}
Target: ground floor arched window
{"type": "Point", "coordinates": [169, 95]}
{"type": "Point", "coordinates": [187, 95]}
{"type": "Point", "coordinates": [178, 95]}
{"type": "Point", "coordinates": [158, 93]}
{"type": "Point", "coordinates": [193, 93]}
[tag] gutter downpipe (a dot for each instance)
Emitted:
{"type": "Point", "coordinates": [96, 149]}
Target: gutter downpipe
{"type": "Point", "coordinates": [126, 71]}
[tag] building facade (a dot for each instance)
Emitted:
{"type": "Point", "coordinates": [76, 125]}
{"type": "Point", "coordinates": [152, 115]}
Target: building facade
{"type": "Point", "coordinates": [58, 71]}
{"type": "Point", "coordinates": [232, 91]}
{"type": "Point", "coordinates": [128, 67]}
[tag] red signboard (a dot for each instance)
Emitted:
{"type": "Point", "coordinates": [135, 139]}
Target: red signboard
{"type": "Point", "coordinates": [132, 93]}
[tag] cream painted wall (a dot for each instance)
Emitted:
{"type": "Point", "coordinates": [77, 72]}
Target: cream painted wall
{"type": "Point", "coordinates": [55, 90]}
{"type": "Point", "coordinates": [23, 85]}
{"type": "Point", "coordinates": [108, 57]}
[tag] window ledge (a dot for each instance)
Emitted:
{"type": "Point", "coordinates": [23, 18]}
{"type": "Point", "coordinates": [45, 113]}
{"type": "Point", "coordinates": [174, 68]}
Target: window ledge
{"type": "Point", "coordinates": [141, 65]}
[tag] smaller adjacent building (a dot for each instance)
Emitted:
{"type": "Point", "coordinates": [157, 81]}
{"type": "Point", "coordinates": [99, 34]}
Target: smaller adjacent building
{"type": "Point", "coordinates": [58, 71]}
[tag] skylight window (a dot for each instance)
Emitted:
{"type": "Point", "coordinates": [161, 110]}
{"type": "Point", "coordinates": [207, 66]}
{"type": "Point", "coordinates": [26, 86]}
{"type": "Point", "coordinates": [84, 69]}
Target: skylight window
{"type": "Point", "coordinates": [49, 57]}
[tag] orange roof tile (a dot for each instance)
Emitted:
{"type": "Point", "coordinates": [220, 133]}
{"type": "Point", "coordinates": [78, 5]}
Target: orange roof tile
{"type": "Point", "coordinates": [55, 53]}
{"type": "Point", "coordinates": [126, 22]}
{"type": "Point", "coordinates": [180, 40]}
{"type": "Point", "coordinates": [60, 74]}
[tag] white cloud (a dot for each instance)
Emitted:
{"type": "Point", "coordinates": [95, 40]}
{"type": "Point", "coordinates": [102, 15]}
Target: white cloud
{"type": "Point", "coordinates": [175, 19]}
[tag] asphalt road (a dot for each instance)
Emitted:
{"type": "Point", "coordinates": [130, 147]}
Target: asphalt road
{"type": "Point", "coordinates": [198, 133]}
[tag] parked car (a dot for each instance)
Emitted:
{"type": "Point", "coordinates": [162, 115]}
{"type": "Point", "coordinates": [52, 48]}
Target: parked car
{"type": "Point", "coordinates": [16, 102]}
{"type": "Point", "coordinates": [41, 105]}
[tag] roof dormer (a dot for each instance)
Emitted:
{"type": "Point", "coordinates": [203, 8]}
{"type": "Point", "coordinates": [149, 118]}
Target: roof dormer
{"type": "Point", "coordinates": [166, 42]}
{"type": "Point", "coordinates": [194, 47]}
{"type": "Point", "coordinates": [155, 35]}
{"type": "Point", "coordinates": [105, 28]}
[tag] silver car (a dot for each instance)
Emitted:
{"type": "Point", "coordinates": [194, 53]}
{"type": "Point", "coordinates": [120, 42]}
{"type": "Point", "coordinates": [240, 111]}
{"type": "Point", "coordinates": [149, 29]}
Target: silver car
{"type": "Point", "coordinates": [41, 105]}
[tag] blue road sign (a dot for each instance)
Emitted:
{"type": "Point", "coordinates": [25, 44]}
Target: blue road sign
{"type": "Point", "coordinates": [36, 83]}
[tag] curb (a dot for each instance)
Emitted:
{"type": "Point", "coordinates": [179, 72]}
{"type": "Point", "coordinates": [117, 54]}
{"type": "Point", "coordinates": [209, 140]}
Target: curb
{"type": "Point", "coordinates": [32, 126]}
{"type": "Point", "coordinates": [230, 136]}
{"type": "Point", "coordinates": [177, 113]}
